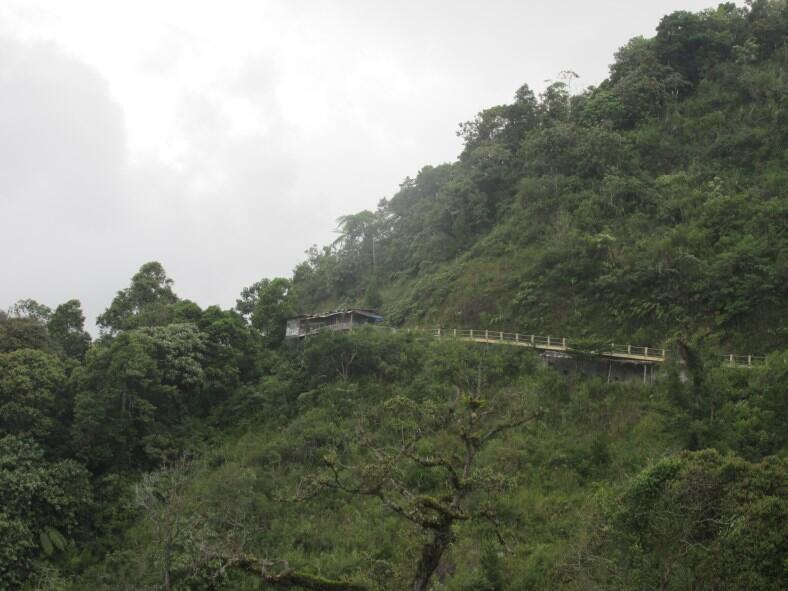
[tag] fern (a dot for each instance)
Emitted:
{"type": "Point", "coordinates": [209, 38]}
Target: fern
{"type": "Point", "coordinates": [52, 540]}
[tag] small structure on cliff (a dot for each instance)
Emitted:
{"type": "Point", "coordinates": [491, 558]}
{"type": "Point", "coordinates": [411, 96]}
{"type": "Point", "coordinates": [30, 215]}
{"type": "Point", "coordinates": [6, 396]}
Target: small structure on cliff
{"type": "Point", "coordinates": [302, 326]}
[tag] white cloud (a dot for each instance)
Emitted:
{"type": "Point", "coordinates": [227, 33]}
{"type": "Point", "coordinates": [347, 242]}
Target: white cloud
{"type": "Point", "coordinates": [224, 138]}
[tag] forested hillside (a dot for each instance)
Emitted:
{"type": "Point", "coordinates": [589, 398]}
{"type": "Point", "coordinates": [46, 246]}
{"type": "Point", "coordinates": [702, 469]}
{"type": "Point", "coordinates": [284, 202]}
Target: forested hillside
{"type": "Point", "coordinates": [197, 449]}
{"type": "Point", "coordinates": [653, 205]}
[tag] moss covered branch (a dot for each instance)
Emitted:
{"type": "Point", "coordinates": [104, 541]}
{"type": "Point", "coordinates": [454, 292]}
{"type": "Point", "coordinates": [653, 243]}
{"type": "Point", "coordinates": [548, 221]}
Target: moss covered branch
{"type": "Point", "coordinates": [294, 579]}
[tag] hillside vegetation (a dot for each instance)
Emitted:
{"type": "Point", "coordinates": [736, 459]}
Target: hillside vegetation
{"type": "Point", "coordinates": [191, 449]}
{"type": "Point", "coordinates": [649, 207]}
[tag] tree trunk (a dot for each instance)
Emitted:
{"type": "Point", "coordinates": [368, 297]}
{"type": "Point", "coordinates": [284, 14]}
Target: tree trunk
{"type": "Point", "coordinates": [431, 556]}
{"type": "Point", "coordinates": [167, 564]}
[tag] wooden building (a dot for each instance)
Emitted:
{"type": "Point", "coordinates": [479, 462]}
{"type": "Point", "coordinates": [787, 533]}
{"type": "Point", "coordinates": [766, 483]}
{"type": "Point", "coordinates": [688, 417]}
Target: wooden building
{"type": "Point", "coordinates": [302, 326]}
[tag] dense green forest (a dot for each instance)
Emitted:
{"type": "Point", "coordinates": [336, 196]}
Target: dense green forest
{"type": "Point", "coordinates": [198, 449]}
{"type": "Point", "coordinates": [650, 206]}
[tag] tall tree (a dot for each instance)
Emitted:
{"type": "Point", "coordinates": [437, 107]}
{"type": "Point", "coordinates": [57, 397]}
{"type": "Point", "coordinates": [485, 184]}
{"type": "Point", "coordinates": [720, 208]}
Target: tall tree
{"type": "Point", "coordinates": [272, 302]}
{"type": "Point", "coordinates": [67, 329]}
{"type": "Point", "coordinates": [29, 308]}
{"type": "Point", "coordinates": [133, 392]}
{"type": "Point", "coordinates": [146, 302]}
{"type": "Point", "coordinates": [31, 393]}
{"type": "Point", "coordinates": [22, 333]}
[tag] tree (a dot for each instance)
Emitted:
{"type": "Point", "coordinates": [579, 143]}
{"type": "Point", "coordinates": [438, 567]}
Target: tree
{"type": "Point", "coordinates": [356, 229]}
{"type": "Point", "coordinates": [232, 351]}
{"type": "Point", "coordinates": [132, 393]}
{"type": "Point", "coordinates": [523, 115]}
{"type": "Point", "coordinates": [768, 23]}
{"type": "Point", "coordinates": [22, 333]}
{"type": "Point", "coordinates": [356, 246]}
{"type": "Point", "coordinates": [442, 441]}
{"type": "Point", "coordinates": [183, 520]}
{"type": "Point", "coordinates": [67, 329]}
{"type": "Point", "coordinates": [29, 308]}
{"type": "Point", "coordinates": [246, 303]}
{"type": "Point", "coordinates": [146, 302]}
{"type": "Point", "coordinates": [639, 86]}
{"type": "Point", "coordinates": [372, 297]}
{"type": "Point", "coordinates": [31, 393]}
{"type": "Point", "coordinates": [274, 303]}
{"type": "Point", "coordinates": [690, 521]}
{"type": "Point", "coordinates": [488, 126]}
{"type": "Point", "coordinates": [161, 495]}
{"type": "Point", "coordinates": [43, 503]}
{"type": "Point", "coordinates": [691, 43]}
{"type": "Point", "coordinates": [555, 104]}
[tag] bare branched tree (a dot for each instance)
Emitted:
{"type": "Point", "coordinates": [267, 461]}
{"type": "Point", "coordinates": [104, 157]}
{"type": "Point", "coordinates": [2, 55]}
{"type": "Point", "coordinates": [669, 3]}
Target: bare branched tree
{"type": "Point", "coordinates": [195, 528]}
{"type": "Point", "coordinates": [397, 438]}
{"type": "Point", "coordinates": [387, 446]}
{"type": "Point", "coordinates": [161, 495]}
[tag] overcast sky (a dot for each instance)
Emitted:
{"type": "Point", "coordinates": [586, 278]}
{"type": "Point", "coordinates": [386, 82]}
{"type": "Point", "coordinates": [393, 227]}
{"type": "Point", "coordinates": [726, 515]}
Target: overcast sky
{"type": "Point", "coordinates": [224, 138]}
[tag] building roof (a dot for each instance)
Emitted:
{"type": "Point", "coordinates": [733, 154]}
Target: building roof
{"type": "Point", "coordinates": [358, 311]}
{"type": "Point", "coordinates": [368, 313]}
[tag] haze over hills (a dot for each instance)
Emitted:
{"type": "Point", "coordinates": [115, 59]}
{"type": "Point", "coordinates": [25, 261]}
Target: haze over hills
{"type": "Point", "coordinates": [653, 205]}
{"type": "Point", "coordinates": [199, 449]}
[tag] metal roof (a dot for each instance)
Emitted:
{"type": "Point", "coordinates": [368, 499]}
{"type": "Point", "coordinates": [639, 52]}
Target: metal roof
{"type": "Point", "coordinates": [359, 311]}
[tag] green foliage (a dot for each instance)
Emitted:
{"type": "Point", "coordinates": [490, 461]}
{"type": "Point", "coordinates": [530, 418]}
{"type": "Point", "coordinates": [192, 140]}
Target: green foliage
{"type": "Point", "coordinates": [696, 519]}
{"type": "Point", "coordinates": [22, 333]}
{"type": "Point", "coordinates": [31, 393]}
{"type": "Point", "coordinates": [31, 309]}
{"type": "Point", "coordinates": [212, 454]}
{"type": "Point", "coordinates": [372, 297]}
{"type": "Point", "coordinates": [580, 484]}
{"type": "Point", "coordinates": [31, 325]}
{"type": "Point", "coordinates": [650, 204]}
{"type": "Point", "coordinates": [66, 328]}
{"type": "Point", "coordinates": [131, 392]}
{"type": "Point", "coordinates": [268, 304]}
{"type": "Point", "coordinates": [43, 503]}
{"type": "Point", "coordinates": [146, 302]}
{"type": "Point", "coordinates": [231, 352]}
